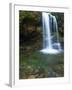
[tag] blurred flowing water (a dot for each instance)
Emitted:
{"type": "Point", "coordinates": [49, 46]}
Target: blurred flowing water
{"type": "Point", "coordinates": [51, 42]}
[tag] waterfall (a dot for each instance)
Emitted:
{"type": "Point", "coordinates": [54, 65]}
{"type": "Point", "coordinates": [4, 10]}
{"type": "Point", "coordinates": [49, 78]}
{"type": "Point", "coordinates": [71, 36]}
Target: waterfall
{"type": "Point", "coordinates": [50, 32]}
{"type": "Point", "coordinates": [46, 31]}
{"type": "Point", "coordinates": [56, 25]}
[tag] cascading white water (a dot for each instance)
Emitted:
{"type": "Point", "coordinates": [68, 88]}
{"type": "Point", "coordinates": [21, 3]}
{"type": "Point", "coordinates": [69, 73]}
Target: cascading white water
{"type": "Point", "coordinates": [48, 44]}
{"type": "Point", "coordinates": [46, 31]}
{"type": "Point", "coordinates": [56, 30]}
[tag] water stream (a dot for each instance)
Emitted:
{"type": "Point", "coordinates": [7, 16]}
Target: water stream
{"type": "Point", "coordinates": [51, 42]}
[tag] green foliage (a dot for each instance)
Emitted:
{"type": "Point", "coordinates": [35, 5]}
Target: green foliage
{"type": "Point", "coordinates": [30, 16]}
